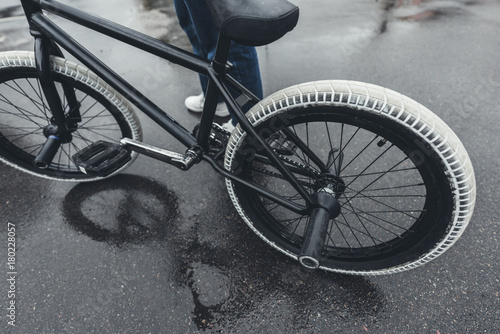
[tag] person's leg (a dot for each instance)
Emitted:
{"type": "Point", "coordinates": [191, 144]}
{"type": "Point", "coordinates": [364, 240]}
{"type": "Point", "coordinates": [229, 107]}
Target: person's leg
{"type": "Point", "coordinates": [187, 24]}
{"type": "Point", "coordinates": [195, 19]}
{"type": "Point", "coordinates": [246, 67]}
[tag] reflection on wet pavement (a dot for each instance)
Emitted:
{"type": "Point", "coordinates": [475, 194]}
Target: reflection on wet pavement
{"type": "Point", "coordinates": [121, 210]}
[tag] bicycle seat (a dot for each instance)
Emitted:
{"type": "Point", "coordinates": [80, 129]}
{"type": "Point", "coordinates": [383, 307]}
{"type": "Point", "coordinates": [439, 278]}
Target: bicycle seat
{"type": "Point", "coordinates": [254, 22]}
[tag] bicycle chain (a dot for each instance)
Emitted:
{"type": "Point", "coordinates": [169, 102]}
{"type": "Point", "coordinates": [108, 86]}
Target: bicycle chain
{"type": "Point", "coordinates": [224, 138]}
{"type": "Point", "coordinates": [292, 162]}
{"type": "Point", "coordinates": [318, 177]}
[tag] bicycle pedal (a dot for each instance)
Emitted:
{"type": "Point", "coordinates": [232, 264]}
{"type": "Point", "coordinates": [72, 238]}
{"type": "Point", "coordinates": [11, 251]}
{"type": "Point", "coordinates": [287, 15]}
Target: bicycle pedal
{"type": "Point", "coordinates": [101, 158]}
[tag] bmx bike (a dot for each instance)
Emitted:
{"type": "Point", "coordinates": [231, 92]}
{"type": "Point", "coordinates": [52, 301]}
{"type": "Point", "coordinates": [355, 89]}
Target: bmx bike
{"type": "Point", "coordinates": [340, 175]}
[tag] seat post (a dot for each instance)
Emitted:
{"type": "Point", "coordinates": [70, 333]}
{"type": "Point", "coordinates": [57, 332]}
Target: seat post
{"type": "Point", "coordinates": [219, 63]}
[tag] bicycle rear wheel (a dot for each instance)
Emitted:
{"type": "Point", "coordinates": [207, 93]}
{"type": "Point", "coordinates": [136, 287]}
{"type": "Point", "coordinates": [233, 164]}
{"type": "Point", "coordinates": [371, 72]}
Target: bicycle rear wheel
{"type": "Point", "coordinates": [24, 115]}
{"type": "Point", "coordinates": [403, 179]}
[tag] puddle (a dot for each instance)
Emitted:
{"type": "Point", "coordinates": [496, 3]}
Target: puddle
{"type": "Point", "coordinates": [122, 210]}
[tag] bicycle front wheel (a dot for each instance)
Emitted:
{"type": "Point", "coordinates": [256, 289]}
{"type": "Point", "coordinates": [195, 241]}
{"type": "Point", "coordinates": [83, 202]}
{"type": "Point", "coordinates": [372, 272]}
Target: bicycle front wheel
{"type": "Point", "coordinates": [403, 179]}
{"type": "Point", "coordinates": [24, 115]}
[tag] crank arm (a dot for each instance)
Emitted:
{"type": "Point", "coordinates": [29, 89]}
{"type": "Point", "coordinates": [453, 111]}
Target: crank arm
{"type": "Point", "coordinates": [181, 161]}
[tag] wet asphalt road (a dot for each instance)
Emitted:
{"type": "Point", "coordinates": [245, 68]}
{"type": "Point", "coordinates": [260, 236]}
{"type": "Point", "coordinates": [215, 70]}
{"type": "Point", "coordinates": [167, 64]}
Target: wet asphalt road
{"type": "Point", "coordinates": [157, 250]}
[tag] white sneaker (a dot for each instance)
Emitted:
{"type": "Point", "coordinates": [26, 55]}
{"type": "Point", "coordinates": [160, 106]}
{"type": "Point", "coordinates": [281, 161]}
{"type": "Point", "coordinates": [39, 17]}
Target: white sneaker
{"type": "Point", "coordinates": [228, 126]}
{"type": "Point", "coordinates": [195, 104]}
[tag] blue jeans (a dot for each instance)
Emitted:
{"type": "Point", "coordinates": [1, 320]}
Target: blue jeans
{"type": "Point", "coordinates": [195, 19]}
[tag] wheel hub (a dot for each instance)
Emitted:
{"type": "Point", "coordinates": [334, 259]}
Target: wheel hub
{"type": "Point", "coordinates": [334, 184]}
{"type": "Point", "coordinates": [53, 130]}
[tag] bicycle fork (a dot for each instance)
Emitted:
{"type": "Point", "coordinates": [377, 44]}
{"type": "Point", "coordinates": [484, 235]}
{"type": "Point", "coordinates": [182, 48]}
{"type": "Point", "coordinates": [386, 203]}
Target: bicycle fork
{"type": "Point", "coordinates": [62, 122]}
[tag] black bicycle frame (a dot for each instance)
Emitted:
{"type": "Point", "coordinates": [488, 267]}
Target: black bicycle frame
{"type": "Point", "coordinates": [49, 36]}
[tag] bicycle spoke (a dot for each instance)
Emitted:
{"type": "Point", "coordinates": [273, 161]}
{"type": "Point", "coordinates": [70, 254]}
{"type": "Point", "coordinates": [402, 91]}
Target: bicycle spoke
{"type": "Point", "coordinates": [337, 222]}
{"type": "Point", "coordinates": [362, 224]}
{"type": "Point", "coordinates": [24, 113]}
{"type": "Point", "coordinates": [379, 177]}
{"type": "Point", "coordinates": [23, 93]}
